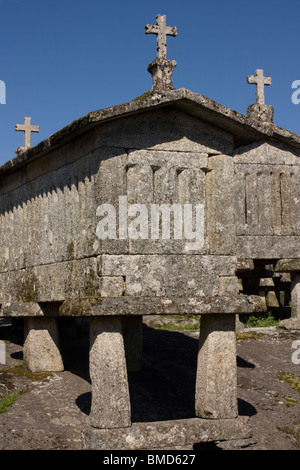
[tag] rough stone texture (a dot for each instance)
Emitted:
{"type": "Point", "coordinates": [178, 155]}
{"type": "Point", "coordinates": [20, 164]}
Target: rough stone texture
{"type": "Point", "coordinates": [41, 346]}
{"type": "Point", "coordinates": [293, 323]}
{"type": "Point", "coordinates": [112, 286]}
{"type": "Point", "coordinates": [168, 274]}
{"type": "Point", "coordinates": [161, 69]}
{"type": "Point", "coordinates": [260, 81]}
{"type": "Point", "coordinates": [271, 152]}
{"type": "Point", "coordinates": [144, 305]}
{"type": "Point", "coordinates": [288, 265]}
{"type": "Point", "coordinates": [27, 128]}
{"type": "Point", "coordinates": [216, 381]}
{"type": "Point", "coordinates": [268, 200]}
{"type": "Point", "coordinates": [161, 30]}
{"type": "Point", "coordinates": [161, 177]}
{"type": "Point", "coordinates": [221, 205]}
{"type": "Point", "coordinates": [262, 112]}
{"type": "Point", "coordinates": [164, 129]}
{"type": "Point", "coordinates": [51, 282]}
{"type": "Point", "coordinates": [229, 285]}
{"type": "Point", "coordinates": [242, 129]}
{"type": "Point", "coordinates": [295, 294]}
{"type": "Point", "coordinates": [292, 266]}
{"type": "Point", "coordinates": [267, 217]}
{"type": "Point", "coordinates": [267, 287]}
{"type": "Point", "coordinates": [110, 407]}
{"type": "Point", "coordinates": [166, 434]}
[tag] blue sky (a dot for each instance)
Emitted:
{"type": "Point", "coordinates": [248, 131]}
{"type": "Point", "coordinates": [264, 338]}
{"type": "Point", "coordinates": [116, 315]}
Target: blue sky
{"type": "Point", "coordinates": [64, 58]}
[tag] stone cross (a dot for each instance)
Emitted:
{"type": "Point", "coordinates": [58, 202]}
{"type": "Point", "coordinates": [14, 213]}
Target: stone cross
{"type": "Point", "coordinates": [260, 81]}
{"type": "Point", "coordinates": [27, 128]}
{"type": "Point", "coordinates": [162, 31]}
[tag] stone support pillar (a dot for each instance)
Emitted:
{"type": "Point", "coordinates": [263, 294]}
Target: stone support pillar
{"type": "Point", "coordinates": [110, 406]}
{"type": "Point", "coordinates": [133, 342]}
{"type": "Point", "coordinates": [216, 381]}
{"type": "Point", "coordinates": [292, 266]}
{"type": "Point", "coordinates": [295, 295]}
{"type": "Point", "coordinates": [41, 347]}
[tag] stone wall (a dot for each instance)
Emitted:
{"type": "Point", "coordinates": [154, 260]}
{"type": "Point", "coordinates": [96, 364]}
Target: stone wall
{"type": "Point", "coordinates": [48, 208]}
{"type": "Point", "coordinates": [268, 200]}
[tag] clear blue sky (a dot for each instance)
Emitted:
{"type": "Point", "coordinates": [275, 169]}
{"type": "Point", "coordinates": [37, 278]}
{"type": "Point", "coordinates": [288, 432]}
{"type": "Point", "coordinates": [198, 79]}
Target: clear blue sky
{"type": "Point", "coordinates": [61, 59]}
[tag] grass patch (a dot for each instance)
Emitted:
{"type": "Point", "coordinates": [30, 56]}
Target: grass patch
{"type": "Point", "coordinates": [22, 371]}
{"type": "Point", "coordinates": [7, 400]}
{"type": "Point", "coordinates": [177, 322]}
{"type": "Point", "coordinates": [293, 381]}
{"type": "Point", "coordinates": [290, 401]}
{"type": "Point", "coordinates": [261, 320]}
{"type": "Point", "coordinates": [249, 334]}
{"type": "Point", "coordinates": [8, 397]}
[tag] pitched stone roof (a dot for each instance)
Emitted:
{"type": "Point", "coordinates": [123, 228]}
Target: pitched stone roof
{"type": "Point", "coordinates": [244, 129]}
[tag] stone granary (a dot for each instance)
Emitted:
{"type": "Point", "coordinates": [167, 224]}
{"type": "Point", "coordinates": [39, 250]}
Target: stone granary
{"type": "Point", "coordinates": [169, 204]}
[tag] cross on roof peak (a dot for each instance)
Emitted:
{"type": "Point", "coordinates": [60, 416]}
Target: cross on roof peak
{"type": "Point", "coordinates": [260, 81]}
{"type": "Point", "coordinates": [27, 128]}
{"type": "Point", "coordinates": [162, 31]}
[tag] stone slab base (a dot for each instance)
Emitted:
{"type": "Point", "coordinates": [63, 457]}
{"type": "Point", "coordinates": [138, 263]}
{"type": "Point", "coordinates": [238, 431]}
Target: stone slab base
{"type": "Point", "coordinates": [182, 433]}
{"type": "Point", "coordinates": [290, 323]}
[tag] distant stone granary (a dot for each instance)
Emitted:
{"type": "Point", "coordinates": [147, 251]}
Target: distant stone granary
{"type": "Point", "coordinates": [80, 237]}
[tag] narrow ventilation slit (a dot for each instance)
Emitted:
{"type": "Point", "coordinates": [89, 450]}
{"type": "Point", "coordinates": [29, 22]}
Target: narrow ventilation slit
{"type": "Point", "coordinates": [154, 169]}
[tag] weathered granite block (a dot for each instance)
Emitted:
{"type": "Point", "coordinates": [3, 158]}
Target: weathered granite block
{"type": "Point", "coordinates": [271, 152]}
{"type": "Point", "coordinates": [110, 406]}
{"type": "Point", "coordinates": [266, 247]}
{"type": "Point", "coordinates": [112, 286]}
{"type": "Point", "coordinates": [288, 265]}
{"type": "Point", "coordinates": [229, 285]}
{"type": "Point", "coordinates": [164, 182]}
{"type": "Point", "coordinates": [216, 381]}
{"type": "Point", "coordinates": [41, 347]}
{"type": "Point", "coordinates": [164, 130]}
{"type": "Point", "coordinates": [268, 198]}
{"type": "Point", "coordinates": [51, 282]}
{"type": "Point", "coordinates": [168, 274]}
{"type": "Point", "coordinates": [264, 113]}
{"type": "Point", "coordinates": [221, 205]}
{"type": "Point", "coordinates": [52, 217]}
{"type": "Point", "coordinates": [167, 434]}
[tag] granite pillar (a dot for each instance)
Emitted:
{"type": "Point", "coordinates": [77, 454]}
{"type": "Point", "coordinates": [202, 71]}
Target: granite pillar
{"type": "Point", "coordinates": [295, 295]}
{"type": "Point", "coordinates": [110, 407]}
{"type": "Point", "coordinates": [216, 381]}
{"type": "Point", "coordinates": [41, 347]}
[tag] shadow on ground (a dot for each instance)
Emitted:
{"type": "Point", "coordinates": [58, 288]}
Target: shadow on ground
{"type": "Point", "coordinates": [165, 387]}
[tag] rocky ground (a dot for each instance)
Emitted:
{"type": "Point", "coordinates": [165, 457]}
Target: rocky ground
{"type": "Point", "coordinates": [51, 411]}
